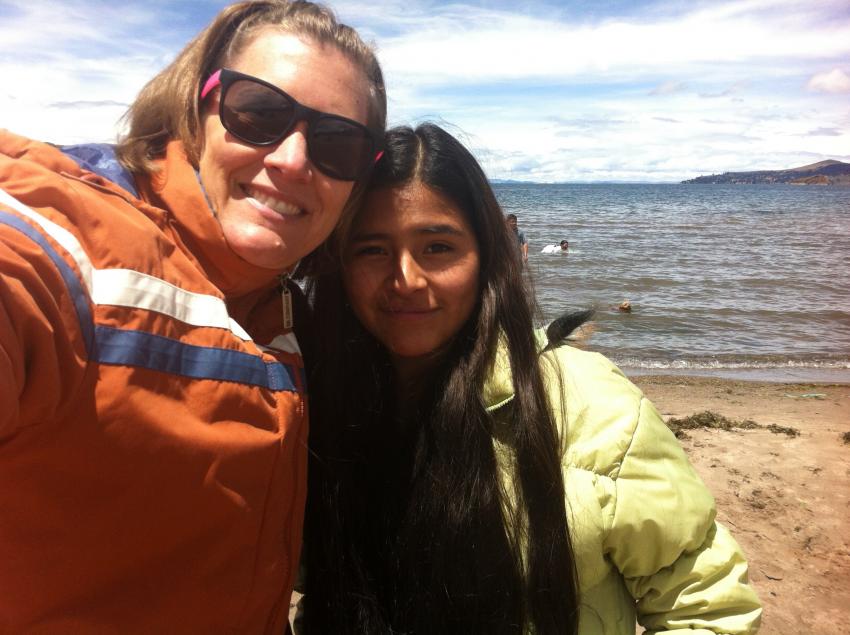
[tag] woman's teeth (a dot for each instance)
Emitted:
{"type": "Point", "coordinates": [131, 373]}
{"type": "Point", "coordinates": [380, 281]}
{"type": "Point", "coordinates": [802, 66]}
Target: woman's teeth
{"type": "Point", "coordinates": [264, 200]}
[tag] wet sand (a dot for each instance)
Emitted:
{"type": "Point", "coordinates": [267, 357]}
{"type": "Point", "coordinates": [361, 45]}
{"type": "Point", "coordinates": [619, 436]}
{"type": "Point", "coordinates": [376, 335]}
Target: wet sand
{"type": "Point", "coordinates": [785, 498]}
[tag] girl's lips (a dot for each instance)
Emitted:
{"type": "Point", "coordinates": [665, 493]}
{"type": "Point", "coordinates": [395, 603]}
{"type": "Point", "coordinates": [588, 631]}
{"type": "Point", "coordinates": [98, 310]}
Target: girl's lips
{"type": "Point", "coordinates": [261, 200]}
{"type": "Point", "coordinates": [409, 312]}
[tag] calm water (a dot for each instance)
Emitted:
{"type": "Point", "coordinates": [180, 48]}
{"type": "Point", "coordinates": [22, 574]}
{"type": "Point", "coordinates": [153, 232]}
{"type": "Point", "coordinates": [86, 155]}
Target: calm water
{"type": "Point", "coordinates": [747, 281]}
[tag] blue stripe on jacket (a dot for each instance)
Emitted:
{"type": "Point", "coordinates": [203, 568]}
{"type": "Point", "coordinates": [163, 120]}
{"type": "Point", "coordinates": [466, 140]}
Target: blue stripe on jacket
{"type": "Point", "coordinates": [155, 352]}
{"type": "Point", "coordinates": [79, 295]}
{"type": "Point", "coordinates": [109, 345]}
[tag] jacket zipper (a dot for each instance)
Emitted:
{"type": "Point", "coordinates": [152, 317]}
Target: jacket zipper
{"type": "Point", "coordinates": [286, 300]}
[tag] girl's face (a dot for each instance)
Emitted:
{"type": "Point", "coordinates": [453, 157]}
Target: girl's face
{"type": "Point", "coordinates": [411, 271]}
{"type": "Point", "coordinates": [273, 204]}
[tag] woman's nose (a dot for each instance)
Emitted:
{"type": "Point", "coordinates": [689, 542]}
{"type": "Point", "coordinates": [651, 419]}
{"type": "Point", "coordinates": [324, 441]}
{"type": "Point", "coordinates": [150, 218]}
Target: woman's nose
{"type": "Point", "coordinates": [290, 154]}
{"type": "Point", "coordinates": [409, 276]}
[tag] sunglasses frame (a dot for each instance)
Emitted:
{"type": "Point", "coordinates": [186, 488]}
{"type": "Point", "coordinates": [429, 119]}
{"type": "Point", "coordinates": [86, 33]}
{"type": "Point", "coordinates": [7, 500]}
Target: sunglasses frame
{"type": "Point", "coordinates": [226, 77]}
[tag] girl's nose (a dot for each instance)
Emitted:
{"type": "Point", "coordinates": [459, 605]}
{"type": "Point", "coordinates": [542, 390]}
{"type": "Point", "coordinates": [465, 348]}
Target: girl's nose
{"type": "Point", "coordinates": [409, 276]}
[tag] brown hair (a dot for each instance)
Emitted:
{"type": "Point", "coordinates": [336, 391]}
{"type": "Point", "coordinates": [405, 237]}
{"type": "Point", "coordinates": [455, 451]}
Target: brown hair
{"type": "Point", "coordinates": [167, 107]}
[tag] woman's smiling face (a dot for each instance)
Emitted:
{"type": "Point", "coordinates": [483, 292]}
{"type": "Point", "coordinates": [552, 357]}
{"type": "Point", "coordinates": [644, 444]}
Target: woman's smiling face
{"type": "Point", "coordinates": [274, 206]}
{"type": "Point", "coordinates": [411, 270]}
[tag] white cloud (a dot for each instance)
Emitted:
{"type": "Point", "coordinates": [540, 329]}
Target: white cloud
{"type": "Point", "coordinates": [668, 88]}
{"type": "Point", "coordinates": [624, 98]}
{"type": "Point", "coordinates": [90, 61]}
{"type": "Point", "coordinates": [93, 25]}
{"type": "Point", "coordinates": [834, 81]}
{"type": "Point", "coordinates": [541, 92]}
{"type": "Point", "coordinates": [486, 45]}
{"type": "Point", "coordinates": [606, 138]}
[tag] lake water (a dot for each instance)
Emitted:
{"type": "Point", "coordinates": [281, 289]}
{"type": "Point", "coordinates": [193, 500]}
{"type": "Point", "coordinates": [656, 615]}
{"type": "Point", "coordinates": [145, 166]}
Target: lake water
{"type": "Point", "coordinates": [748, 281]}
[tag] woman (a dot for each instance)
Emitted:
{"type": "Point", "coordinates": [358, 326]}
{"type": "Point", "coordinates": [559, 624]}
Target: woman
{"type": "Point", "coordinates": [461, 480]}
{"type": "Point", "coordinates": [152, 429]}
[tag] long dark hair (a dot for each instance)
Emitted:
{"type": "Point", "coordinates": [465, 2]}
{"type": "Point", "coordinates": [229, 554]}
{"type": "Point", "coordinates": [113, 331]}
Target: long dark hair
{"type": "Point", "coordinates": [410, 528]}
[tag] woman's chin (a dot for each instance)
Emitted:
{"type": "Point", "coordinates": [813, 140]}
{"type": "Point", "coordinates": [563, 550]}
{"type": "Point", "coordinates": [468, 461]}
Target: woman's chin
{"type": "Point", "coordinates": [262, 249]}
{"type": "Point", "coordinates": [267, 259]}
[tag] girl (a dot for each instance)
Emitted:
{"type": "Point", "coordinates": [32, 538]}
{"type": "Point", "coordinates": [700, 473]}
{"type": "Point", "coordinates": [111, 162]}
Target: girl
{"type": "Point", "coordinates": [469, 476]}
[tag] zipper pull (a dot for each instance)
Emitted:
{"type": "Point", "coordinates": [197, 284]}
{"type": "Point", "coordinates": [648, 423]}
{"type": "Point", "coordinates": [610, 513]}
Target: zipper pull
{"type": "Point", "coordinates": [286, 298]}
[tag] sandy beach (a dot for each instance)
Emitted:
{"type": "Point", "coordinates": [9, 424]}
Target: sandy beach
{"type": "Point", "coordinates": [786, 498]}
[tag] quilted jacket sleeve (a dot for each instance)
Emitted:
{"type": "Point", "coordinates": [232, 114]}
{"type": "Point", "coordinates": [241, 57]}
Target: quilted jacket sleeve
{"type": "Point", "coordinates": [42, 355]}
{"type": "Point", "coordinates": [41, 359]}
{"type": "Point", "coordinates": [689, 575]}
{"type": "Point", "coordinates": [11, 363]}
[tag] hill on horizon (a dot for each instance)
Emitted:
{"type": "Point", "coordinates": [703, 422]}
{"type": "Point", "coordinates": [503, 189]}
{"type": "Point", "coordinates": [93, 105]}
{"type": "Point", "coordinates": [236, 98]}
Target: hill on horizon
{"type": "Point", "coordinates": [829, 172]}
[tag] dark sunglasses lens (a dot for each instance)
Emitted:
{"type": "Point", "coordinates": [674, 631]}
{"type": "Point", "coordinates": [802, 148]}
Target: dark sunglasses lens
{"type": "Point", "coordinates": [255, 113]}
{"type": "Point", "coordinates": [340, 148]}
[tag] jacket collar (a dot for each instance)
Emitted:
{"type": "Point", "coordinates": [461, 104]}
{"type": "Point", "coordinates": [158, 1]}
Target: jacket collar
{"type": "Point", "coordinates": [499, 386]}
{"type": "Point", "coordinates": [176, 188]}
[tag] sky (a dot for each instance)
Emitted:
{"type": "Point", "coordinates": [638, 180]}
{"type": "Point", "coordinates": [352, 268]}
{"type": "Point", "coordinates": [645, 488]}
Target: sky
{"type": "Point", "coordinates": [570, 91]}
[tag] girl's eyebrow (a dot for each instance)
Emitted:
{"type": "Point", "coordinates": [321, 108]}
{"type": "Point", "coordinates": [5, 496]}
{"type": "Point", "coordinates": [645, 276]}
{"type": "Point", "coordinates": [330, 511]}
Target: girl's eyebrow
{"type": "Point", "coordinates": [426, 229]}
{"type": "Point", "coordinates": [440, 229]}
{"type": "Point", "coordinates": [362, 238]}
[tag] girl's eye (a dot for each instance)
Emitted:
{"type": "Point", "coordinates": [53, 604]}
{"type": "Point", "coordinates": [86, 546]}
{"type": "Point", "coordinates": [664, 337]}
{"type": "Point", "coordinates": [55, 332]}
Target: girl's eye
{"type": "Point", "coordinates": [437, 248]}
{"type": "Point", "coordinates": [369, 250]}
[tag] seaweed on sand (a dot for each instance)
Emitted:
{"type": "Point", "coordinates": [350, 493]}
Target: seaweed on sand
{"type": "Point", "coordinates": [709, 419]}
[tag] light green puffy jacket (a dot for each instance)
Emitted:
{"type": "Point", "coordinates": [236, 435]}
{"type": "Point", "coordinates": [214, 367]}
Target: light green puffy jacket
{"type": "Point", "coordinates": [641, 521]}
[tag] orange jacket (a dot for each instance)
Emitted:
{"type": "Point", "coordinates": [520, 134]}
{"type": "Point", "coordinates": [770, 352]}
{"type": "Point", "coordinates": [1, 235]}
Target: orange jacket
{"type": "Point", "coordinates": [152, 452]}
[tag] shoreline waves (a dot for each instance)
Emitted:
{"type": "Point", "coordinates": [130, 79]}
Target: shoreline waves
{"type": "Point", "coordinates": [789, 374]}
{"type": "Point", "coordinates": [741, 281]}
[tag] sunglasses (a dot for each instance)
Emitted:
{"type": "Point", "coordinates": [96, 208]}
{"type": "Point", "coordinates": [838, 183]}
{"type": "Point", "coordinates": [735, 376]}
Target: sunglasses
{"type": "Point", "coordinates": [261, 114]}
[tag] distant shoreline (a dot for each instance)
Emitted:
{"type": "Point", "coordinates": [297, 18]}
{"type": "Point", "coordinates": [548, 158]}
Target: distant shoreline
{"type": "Point", "coordinates": [829, 173]}
{"type": "Point", "coordinates": [822, 173]}
{"type": "Point", "coordinates": [497, 182]}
